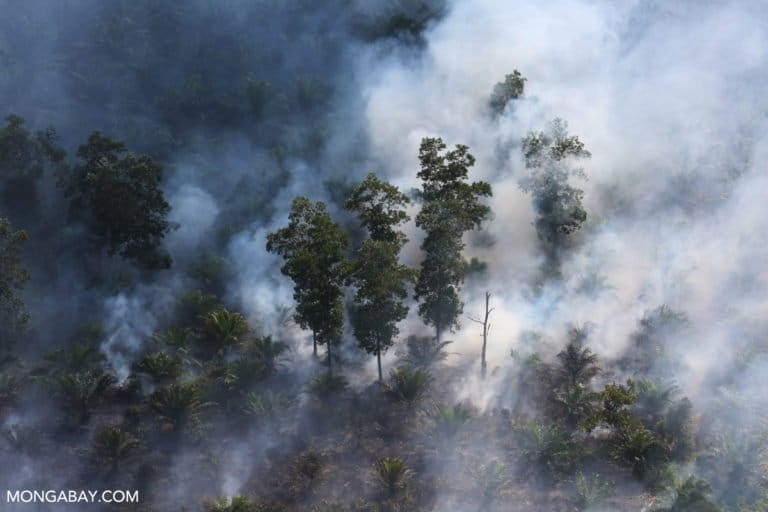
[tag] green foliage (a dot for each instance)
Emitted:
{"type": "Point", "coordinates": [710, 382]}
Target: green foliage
{"type": "Point", "coordinates": [578, 364]}
{"type": "Point", "coordinates": [161, 367]}
{"type": "Point", "coordinates": [510, 89]}
{"type": "Point", "coordinates": [639, 448]}
{"type": "Point", "coordinates": [692, 496]}
{"type": "Point", "coordinates": [425, 351]}
{"type": "Point", "coordinates": [391, 474]}
{"type": "Point", "coordinates": [222, 330]}
{"type": "Point", "coordinates": [491, 478]}
{"type": "Point", "coordinates": [242, 374]}
{"type": "Point", "coordinates": [266, 350]}
{"type": "Point", "coordinates": [313, 247]}
{"type": "Point", "coordinates": [616, 398]}
{"type": "Point", "coordinates": [408, 385]}
{"type": "Point", "coordinates": [193, 306]}
{"type": "Point", "coordinates": [13, 276]}
{"type": "Point", "coordinates": [379, 278]}
{"type": "Point", "coordinates": [24, 158]}
{"type": "Point", "coordinates": [451, 419]}
{"type": "Point", "coordinates": [81, 357]}
{"type": "Point", "coordinates": [179, 407]}
{"type": "Point", "coordinates": [556, 203]}
{"type": "Point", "coordinates": [450, 207]}
{"type": "Point", "coordinates": [263, 404]}
{"type": "Point", "coordinates": [233, 504]}
{"type": "Point", "coordinates": [79, 392]}
{"type": "Point", "coordinates": [550, 448]}
{"type": "Point", "coordinates": [380, 208]}
{"type": "Point", "coordinates": [112, 445]}
{"type": "Point", "coordinates": [592, 490]}
{"type": "Point", "coordinates": [576, 405]}
{"type": "Point", "coordinates": [118, 196]}
{"type": "Point", "coordinates": [325, 385]}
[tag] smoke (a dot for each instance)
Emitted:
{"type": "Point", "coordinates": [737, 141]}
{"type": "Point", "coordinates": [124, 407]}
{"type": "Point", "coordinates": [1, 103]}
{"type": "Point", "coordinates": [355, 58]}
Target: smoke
{"type": "Point", "coordinates": [666, 96]}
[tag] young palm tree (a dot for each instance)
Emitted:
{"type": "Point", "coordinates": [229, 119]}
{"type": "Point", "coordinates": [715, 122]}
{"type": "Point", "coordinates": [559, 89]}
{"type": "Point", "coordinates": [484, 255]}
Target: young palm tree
{"type": "Point", "coordinates": [578, 364]}
{"type": "Point", "coordinates": [264, 404]}
{"type": "Point", "coordinates": [267, 350]}
{"type": "Point", "coordinates": [592, 490]}
{"type": "Point", "coordinates": [79, 392]}
{"type": "Point", "coordinates": [324, 384]}
{"type": "Point", "coordinates": [161, 367]}
{"type": "Point", "coordinates": [113, 445]}
{"type": "Point", "coordinates": [223, 329]}
{"type": "Point", "coordinates": [391, 475]}
{"type": "Point", "coordinates": [408, 385]}
{"type": "Point", "coordinates": [550, 448]}
{"type": "Point", "coordinates": [491, 479]}
{"type": "Point", "coordinates": [424, 350]}
{"type": "Point", "coordinates": [78, 358]}
{"type": "Point", "coordinates": [451, 419]}
{"type": "Point", "coordinates": [179, 407]}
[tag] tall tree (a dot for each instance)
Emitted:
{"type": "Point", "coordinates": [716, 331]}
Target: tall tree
{"type": "Point", "coordinates": [450, 207]}
{"type": "Point", "coordinates": [313, 248]}
{"type": "Point", "coordinates": [380, 279]}
{"type": "Point", "coordinates": [556, 203]}
{"type": "Point", "coordinates": [13, 275]}
{"type": "Point", "coordinates": [510, 89]}
{"type": "Point", "coordinates": [24, 157]}
{"type": "Point", "coordinates": [118, 196]}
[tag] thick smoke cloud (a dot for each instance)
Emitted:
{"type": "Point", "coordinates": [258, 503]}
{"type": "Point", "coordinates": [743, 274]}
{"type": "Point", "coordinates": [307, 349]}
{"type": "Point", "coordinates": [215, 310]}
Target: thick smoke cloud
{"type": "Point", "coordinates": [666, 96]}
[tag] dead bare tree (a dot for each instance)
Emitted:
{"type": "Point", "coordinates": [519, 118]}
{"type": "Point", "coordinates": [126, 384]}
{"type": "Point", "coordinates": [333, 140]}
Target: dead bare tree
{"type": "Point", "coordinates": [486, 329]}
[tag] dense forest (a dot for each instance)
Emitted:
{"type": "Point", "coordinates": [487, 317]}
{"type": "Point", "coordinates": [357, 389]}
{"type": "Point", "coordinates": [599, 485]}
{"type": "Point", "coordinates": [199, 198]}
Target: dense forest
{"type": "Point", "coordinates": [385, 256]}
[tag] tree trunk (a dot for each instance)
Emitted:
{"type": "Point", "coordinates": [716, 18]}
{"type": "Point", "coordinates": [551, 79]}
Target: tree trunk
{"type": "Point", "coordinates": [330, 359]}
{"type": "Point", "coordinates": [314, 344]}
{"type": "Point", "coordinates": [484, 363]}
{"type": "Point", "coordinates": [378, 357]}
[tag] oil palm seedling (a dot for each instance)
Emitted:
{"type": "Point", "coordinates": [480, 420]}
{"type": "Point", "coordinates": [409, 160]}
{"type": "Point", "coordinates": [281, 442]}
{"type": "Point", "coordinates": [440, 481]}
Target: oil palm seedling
{"type": "Point", "coordinates": [179, 407]}
{"type": "Point", "coordinates": [78, 358]}
{"type": "Point", "coordinates": [242, 374]}
{"type": "Point", "coordinates": [408, 385]}
{"type": "Point", "coordinates": [452, 419]}
{"type": "Point", "coordinates": [160, 367]}
{"type": "Point", "coordinates": [391, 475]}
{"type": "Point", "coordinates": [578, 364]}
{"type": "Point", "coordinates": [638, 447]}
{"type": "Point", "coordinates": [424, 351]}
{"type": "Point", "coordinates": [550, 448]}
{"type": "Point", "coordinates": [79, 393]}
{"type": "Point", "coordinates": [576, 405]}
{"type": "Point", "coordinates": [264, 404]}
{"type": "Point", "coordinates": [490, 478]}
{"type": "Point", "coordinates": [222, 330]}
{"type": "Point", "coordinates": [592, 490]}
{"type": "Point", "coordinates": [267, 350]}
{"type": "Point", "coordinates": [112, 445]}
{"type": "Point", "coordinates": [324, 384]}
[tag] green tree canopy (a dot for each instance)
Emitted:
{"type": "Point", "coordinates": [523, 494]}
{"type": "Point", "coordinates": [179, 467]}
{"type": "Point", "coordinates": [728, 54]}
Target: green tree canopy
{"type": "Point", "coordinates": [24, 158]}
{"type": "Point", "coordinates": [510, 89]}
{"type": "Point", "coordinates": [450, 207]}
{"type": "Point", "coordinates": [313, 247]}
{"type": "Point", "coordinates": [381, 281]}
{"type": "Point", "coordinates": [117, 194]}
{"type": "Point", "coordinates": [556, 203]}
